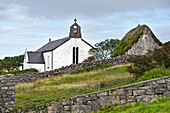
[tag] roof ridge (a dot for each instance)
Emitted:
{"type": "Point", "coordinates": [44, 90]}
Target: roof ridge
{"type": "Point", "coordinates": [53, 45]}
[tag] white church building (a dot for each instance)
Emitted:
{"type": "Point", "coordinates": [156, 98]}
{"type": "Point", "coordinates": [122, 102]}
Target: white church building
{"type": "Point", "coordinates": [58, 53]}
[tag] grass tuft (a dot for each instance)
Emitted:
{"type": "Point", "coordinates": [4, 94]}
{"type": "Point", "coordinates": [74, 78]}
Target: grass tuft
{"type": "Point", "coordinates": [162, 105]}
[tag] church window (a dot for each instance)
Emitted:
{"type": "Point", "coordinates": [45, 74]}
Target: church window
{"type": "Point", "coordinates": [77, 54]}
{"type": "Point", "coordinates": [48, 62]}
{"type": "Point", "coordinates": [73, 55]}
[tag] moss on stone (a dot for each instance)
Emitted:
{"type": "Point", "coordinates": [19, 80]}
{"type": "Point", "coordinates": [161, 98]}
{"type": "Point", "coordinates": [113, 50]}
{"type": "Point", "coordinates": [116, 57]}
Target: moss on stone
{"type": "Point", "coordinates": [130, 39]}
{"type": "Point", "coordinates": [120, 48]}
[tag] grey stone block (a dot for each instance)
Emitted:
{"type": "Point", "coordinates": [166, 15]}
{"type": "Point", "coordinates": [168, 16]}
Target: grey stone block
{"type": "Point", "coordinates": [105, 93]}
{"type": "Point", "coordinates": [11, 87]}
{"type": "Point", "coordinates": [168, 86]}
{"type": "Point", "coordinates": [160, 91]}
{"type": "Point", "coordinates": [160, 81]}
{"type": "Point", "coordinates": [81, 100]}
{"type": "Point", "coordinates": [150, 91]}
{"type": "Point", "coordinates": [131, 99]}
{"type": "Point", "coordinates": [6, 99]}
{"type": "Point", "coordinates": [81, 108]}
{"type": "Point", "coordinates": [4, 88]}
{"type": "Point", "coordinates": [92, 98]}
{"type": "Point", "coordinates": [112, 92]}
{"type": "Point", "coordinates": [144, 87]}
{"type": "Point", "coordinates": [139, 92]}
{"type": "Point", "coordinates": [104, 100]}
{"type": "Point", "coordinates": [67, 108]}
{"type": "Point", "coordinates": [120, 92]}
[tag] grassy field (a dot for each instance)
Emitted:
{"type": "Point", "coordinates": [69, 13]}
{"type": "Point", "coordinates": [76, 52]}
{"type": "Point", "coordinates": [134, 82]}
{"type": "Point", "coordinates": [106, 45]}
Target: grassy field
{"type": "Point", "coordinates": [162, 105]}
{"type": "Point", "coordinates": [53, 89]}
{"type": "Point", "coordinates": [29, 95]}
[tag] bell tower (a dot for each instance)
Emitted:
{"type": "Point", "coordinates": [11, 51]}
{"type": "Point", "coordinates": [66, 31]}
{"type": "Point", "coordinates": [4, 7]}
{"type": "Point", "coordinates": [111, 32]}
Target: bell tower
{"type": "Point", "coordinates": [75, 30]}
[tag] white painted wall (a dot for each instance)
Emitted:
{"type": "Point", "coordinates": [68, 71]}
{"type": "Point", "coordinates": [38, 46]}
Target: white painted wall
{"type": "Point", "coordinates": [39, 67]}
{"type": "Point", "coordinates": [48, 60]}
{"type": "Point", "coordinates": [20, 68]}
{"type": "Point", "coordinates": [25, 61]}
{"type": "Point", "coordinates": [63, 55]}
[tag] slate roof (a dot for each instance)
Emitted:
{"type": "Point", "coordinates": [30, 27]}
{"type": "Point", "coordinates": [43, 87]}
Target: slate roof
{"type": "Point", "coordinates": [53, 45]}
{"type": "Point", "coordinates": [35, 57]}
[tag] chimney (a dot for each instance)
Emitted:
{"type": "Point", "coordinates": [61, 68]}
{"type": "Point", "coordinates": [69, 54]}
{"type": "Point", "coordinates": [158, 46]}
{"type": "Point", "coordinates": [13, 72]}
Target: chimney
{"type": "Point", "coordinates": [49, 39]}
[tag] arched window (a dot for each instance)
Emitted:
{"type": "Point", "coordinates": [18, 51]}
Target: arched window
{"type": "Point", "coordinates": [73, 55]}
{"type": "Point", "coordinates": [75, 29]}
{"type": "Point", "coordinates": [48, 65]}
{"type": "Point", "coordinates": [77, 55]}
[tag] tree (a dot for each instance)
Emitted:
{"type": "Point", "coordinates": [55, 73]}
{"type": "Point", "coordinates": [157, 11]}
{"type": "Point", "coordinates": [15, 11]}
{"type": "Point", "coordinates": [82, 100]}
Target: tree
{"type": "Point", "coordinates": [10, 63]}
{"type": "Point", "coordinates": [153, 59]}
{"type": "Point", "coordinates": [103, 49]}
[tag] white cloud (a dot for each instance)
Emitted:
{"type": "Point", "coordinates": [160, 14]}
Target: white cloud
{"type": "Point", "coordinates": [28, 10]}
{"type": "Point", "coordinates": [14, 13]}
{"type": "Point", "coordinates": [29, 23]}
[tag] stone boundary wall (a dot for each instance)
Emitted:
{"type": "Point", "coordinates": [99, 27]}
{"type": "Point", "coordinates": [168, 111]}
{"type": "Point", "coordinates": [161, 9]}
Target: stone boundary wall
{"type": "Point", "coordinates": [8, 82]}
{"type": "Point", "coordinates": [7, 92]}
{"type": "Point", "coordinates": [145, 91]}
{"type": "Point", "coordinates": [33, 76]}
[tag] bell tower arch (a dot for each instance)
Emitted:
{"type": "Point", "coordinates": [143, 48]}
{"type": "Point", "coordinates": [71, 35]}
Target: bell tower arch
{"type": "Point", "coordinates": [75, 30]}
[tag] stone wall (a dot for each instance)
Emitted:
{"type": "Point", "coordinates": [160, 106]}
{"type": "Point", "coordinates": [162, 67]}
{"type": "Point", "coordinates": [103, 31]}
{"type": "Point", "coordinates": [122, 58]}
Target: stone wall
{"type": "Point", "coordinates": [8, 82]}
{"type": "Point", "coordinates": [29, 77]}
{"type": "Point", "coordinates": [7, 92]}
{"type": "Point", "coordinates": [145, 91]}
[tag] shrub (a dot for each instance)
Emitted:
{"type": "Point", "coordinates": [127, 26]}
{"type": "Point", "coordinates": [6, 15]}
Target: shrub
{"type": "Point", "coordinates": [119, 49]}
{"type": "Point", "coordinates": [154, 73]}
{"type": "Point", "coordinates": [153, 59]}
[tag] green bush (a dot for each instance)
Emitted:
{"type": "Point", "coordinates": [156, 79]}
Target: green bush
{"type": "Point", "coordinates": [153, 59]}
{"type": "Point", "coordinates": [119, 49]}
{"type": "Point", "coordinates": [154, 73]}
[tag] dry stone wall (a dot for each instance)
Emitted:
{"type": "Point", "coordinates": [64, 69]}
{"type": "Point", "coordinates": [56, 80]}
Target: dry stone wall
{"type": "Point", "coordinates": [29, 77]}
{"type": "Point", "coordinates": [8, 82]}
{"type": "Point", "coordinates": [145, 91]}
{"type": "Point", "coordinates": [7, 92]}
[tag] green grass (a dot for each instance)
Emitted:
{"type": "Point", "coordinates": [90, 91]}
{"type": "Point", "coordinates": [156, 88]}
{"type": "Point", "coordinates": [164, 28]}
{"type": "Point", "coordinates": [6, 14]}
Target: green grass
{"type": "Point", "coordinates": [162, 105]}
{"type": "Point", "coordinates": [53, 89]}
{"type": "Point", "coordinates": [119, 49]}
{"type": "Point", "coordinates": [29, 95]}
{"type": "Point", "coordinates": [154, 73]}
{"type": "Point", "coordinates": [19, 71]}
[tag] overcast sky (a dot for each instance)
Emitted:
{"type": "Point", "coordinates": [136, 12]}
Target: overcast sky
{"type": "Point", "coordinates": [28, 24]}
